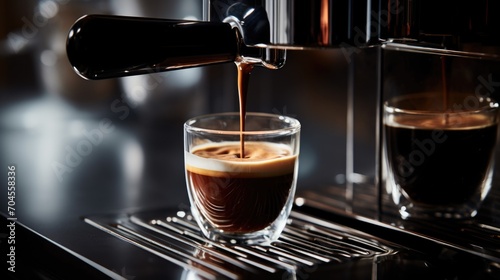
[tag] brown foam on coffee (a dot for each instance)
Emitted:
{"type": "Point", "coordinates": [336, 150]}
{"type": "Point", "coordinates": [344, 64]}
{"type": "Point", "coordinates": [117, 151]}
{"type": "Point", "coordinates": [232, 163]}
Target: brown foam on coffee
{"type": "Point", "coordinates": [262, 159]}
{"type": "Point", "coordinates": [448, 121]}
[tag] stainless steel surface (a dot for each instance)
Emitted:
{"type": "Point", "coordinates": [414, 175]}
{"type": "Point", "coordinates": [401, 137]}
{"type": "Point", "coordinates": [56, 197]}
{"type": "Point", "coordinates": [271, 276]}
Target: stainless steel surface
{"type": "Point", "coordinates": [468, 26]}
{"type": "Point", "coordinates": [298, 24]}
{"type": "Point", "coordinates": [308, 248]}
{"type": "Point", "coordinates": [478, 236]}
{"type": "Point", "coordinates": [319, 242]}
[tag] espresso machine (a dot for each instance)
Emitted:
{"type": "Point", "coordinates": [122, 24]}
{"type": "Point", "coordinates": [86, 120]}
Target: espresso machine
{"type": "Point", "coordinates": [345, 226]}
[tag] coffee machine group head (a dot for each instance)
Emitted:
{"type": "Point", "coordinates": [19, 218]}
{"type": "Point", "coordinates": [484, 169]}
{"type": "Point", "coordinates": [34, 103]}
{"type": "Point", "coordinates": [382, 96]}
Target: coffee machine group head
{"type": "Point", "coordinates": [259, 31]}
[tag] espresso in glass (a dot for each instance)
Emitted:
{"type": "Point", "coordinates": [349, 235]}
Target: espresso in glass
{"type": "Point", "coordinates": [441, 170]}
{"type": "Point", "coordinates": [439, 162]}
{"type": "Point", "coordinates": [241, 199]}
{"type": "Point", "coordinates": [241, 195]}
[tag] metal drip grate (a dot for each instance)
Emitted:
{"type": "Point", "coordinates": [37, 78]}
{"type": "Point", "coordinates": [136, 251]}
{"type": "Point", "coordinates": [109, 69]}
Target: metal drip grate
{"type": "Point", "coordinates": [308, 246]}
{"type": "Point", "coordinates": [478, 236]}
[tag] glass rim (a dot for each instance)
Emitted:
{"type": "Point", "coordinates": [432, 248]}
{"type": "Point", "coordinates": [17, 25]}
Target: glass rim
{"type": "Point", "coordinates": [294, 124]}
{"type": "Point", "coordinates": [487, 104]}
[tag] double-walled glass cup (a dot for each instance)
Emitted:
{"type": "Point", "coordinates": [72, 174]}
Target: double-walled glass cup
{"type": "Point", "coordinates": [235, 199]}
{"type": "Point", "coordinates": [438, 157]}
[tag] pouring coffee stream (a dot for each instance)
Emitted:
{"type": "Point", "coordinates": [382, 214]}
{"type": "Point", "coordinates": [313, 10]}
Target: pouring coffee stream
{"type": "Point", "coordinates": [244, 70]}
{"type": "Point", "coordinates": [445, 85]}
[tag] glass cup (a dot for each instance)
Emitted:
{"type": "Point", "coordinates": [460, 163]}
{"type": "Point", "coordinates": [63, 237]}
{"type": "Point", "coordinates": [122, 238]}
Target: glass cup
{"type": "Point", "coordinates": [438, 153]}
{"type": "Point", "coordinates": [241, 200]}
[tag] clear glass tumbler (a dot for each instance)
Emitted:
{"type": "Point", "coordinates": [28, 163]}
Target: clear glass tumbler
{"type": "Point", "coordinates": [235, 199]}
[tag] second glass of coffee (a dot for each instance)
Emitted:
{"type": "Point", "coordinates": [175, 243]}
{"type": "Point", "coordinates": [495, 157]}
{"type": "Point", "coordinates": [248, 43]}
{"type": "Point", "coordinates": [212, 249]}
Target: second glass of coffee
{"type": "Point", "coordinates": [241, 197]}
{"type": "Point", "coordinates": [439, 156]}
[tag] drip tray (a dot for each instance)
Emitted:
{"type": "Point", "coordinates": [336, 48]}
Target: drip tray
{"type": "Point", "coordinates": [309, 248]}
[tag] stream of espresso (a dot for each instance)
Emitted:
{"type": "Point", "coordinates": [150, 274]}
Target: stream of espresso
{"type": "Point", "coordinates": [444, 80]}
{"type": "Point", "coordinates": [244, 70]}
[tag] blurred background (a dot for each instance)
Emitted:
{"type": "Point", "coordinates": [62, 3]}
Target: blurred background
{"type": "Point", "coordinates": [109, 145]}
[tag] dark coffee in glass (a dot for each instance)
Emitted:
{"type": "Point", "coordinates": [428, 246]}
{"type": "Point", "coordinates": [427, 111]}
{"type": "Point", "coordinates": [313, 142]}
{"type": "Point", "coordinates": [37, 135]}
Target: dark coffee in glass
{"type": "Point", "coordinates": [438, 162]}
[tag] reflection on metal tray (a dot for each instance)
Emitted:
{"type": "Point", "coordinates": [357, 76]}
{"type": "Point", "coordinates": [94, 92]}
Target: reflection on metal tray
{"type": "Point", "coordinates": [309, 248]}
